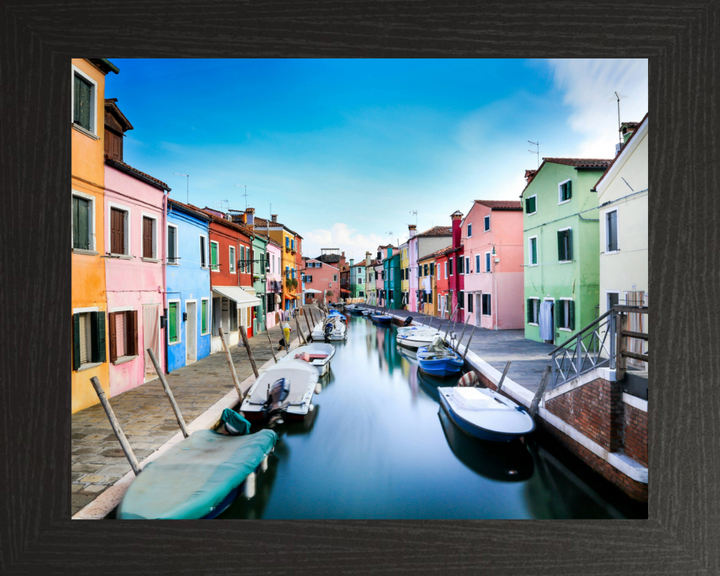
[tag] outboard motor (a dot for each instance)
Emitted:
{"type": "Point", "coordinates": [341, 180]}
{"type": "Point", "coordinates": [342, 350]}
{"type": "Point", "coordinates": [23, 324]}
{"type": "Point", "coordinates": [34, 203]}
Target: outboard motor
{"type": "Point", "coordinates": [275, 402]}
{"type": "Point", "coordinates": [327, 329]}
{"type": "Point", "coordinates": [407, 321]}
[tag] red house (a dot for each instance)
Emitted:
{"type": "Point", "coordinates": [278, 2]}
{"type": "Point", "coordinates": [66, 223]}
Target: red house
{"type": "Point", "coordinates": [450, 275]}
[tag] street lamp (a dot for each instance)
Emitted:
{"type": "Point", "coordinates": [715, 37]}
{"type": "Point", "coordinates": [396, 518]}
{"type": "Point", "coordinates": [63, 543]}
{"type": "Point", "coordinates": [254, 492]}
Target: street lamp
{"type": "Point", "coordinates": [188, 185]}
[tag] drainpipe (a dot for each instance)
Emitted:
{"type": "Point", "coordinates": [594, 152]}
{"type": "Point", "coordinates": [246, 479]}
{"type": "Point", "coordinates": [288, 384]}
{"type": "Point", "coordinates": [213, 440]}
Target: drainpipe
{"type": "Point", "coordinates": [164, 295]}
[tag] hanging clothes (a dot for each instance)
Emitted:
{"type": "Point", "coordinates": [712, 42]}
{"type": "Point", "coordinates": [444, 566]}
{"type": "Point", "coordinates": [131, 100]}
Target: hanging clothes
{"type": "Point", "coordinates": [547, 330]}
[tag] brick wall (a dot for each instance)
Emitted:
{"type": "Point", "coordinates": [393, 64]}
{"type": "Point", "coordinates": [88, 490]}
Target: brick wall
{"type": "Point", "coordinates": [636, 434]}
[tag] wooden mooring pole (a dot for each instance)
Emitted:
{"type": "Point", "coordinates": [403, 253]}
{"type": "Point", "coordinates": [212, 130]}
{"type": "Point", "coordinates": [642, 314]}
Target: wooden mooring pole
{"type": "Point", "coordinates": [467, 346]}
{"type": "Point", "coordinates": [236, 382]}
{"type": "Point", "coordinates": [124, 444]}
{"type": "Point", "coordinates": [462, 335]}
{"type": "Point", "coordinates": [246, 341]}
{"type": "Point", "coordinates": [308, 323]}
{"type": "Point", "coordinates": [540, 391]}
{"type": "Point", "coordinates": [272, 349]}
{"type": "Point", "coordinates": [502, 378]}
{"type": "Point", "coordinates": [169, 394]}
{"type": "Point", "coordinates": [300, 332]}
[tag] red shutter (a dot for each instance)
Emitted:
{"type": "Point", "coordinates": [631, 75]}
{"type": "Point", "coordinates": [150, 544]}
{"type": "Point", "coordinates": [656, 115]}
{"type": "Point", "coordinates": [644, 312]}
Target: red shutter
{"type": "Point", "coordinates": [117, 231]}
{"type": "Point", "coordinates": [132, 330]}
{"type": "Point", "coordinates": [147, 237]}
{"type": "Point", "coordinates": [113, 336]}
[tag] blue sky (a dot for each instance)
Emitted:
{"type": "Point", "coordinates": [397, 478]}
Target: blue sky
{"type": "Point", "coordinates": [344, 150]}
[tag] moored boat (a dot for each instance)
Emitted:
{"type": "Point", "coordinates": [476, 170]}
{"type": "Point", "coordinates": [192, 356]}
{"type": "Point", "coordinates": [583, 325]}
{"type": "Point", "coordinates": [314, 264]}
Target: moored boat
{"type": "Point", "coordinates": [333, 327]}
{"type": "Point", "coordinates": [316, 354]}
{"type": "Point", "coordinates": [439, 359]}
{"type": "Point", "coordinates": [381, 318]}
{"type": "Point", "coordinates": [300, 379]}
{"type": "Point", "coordinates": [416, 338]}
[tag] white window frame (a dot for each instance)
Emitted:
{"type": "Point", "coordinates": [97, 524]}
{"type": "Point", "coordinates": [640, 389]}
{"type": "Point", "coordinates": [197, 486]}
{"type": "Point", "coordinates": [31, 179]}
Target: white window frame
{"type": "Point", "coordinates": [155, 251]}
{"type": "Point", "coordinates": [334, 278]}
{"type": "Point", "coordinates": [560, 185]}
{"type": "Point", "coordinates": [89, 364]}
{"type": "Point", "coordinates": [207, 255]}
{"type": "Point", "coordinates": [607, 293]}
{"type": "Point", "coordinates": [563, 230]}
{"type": "Point", "coordinates": [477, 263]}
{"type": "Point", "coordinates": [177, 244]}
{"type": "Point", "coordinates": [210, 255]}
{"type": "Point", "coordinates": [565, 312]}
{"type": "Point", "coordinates": [231, 255]}
{"type": "Point", "coordinates": [482, 303]}
{"type": "Point", "coordinates": [488, 262]}
{"type": "Point", "coordinates": [127, 228]}
{"type": "Point", "coordinates": [617, 231]}
{"type": "Point", "coordinates": [537, 250]}
{"type": "Point", "coordinates": [536, 206]}
{"type": "Point", "coordinates": [178, 319]}
{"type": "Point", "coordinates": [469, 230]}
{"type": "Point", "coordinates": [209, 318]}
{"type": "Point", "coordinates": [486, 223]}
{"type": "Point", "coordinates": [93, 239]}
{"type": "Point", "coordinates": [446, 274]}
{"type": "Point", "coordinates": [93, 114]}
{"type": "Point", "coordinates": [535, 299]}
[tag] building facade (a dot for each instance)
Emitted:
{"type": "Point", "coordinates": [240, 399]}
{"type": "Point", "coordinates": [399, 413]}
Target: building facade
{"type": "Point", "coordinates": [357, 280]}
{"type": "Point", "coordinates": [427, 298]}
{"type": "Point", "coordinates": [289, 246]}
{"type": "Point", "coordinates": [420, 245]}
{"type": "Point", "coordinates": [273, 284]}
{"type": "Point", "coordinates": [404, 277]}
{"type": "Point", "coordinates": [322, 277]}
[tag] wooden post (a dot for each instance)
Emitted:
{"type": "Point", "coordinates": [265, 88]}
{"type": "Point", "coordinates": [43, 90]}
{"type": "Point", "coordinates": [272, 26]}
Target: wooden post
{"type": "Point", "coordinates": [308, 325]}
{"type": "Point", "coordinates": [450, 321]}
{"type": "Point", "coordinates": [168, 393]}
{"type": "Point", "coordinates": [272, 349]}
{"type": "Point", "coordinates": [621, 346]}
{"type": "Point", "coordinates": [540, 391]}
{"type": "Point", "coordinates": [246, 341]}
{"type": "Point", "coordinates": [236, 382]}
{"type": "Point", "coordinates": [462, 335]}
{"type": "Point", "coordinates": [467, 346]}
{"type": "Point", "coordinates": [116, 426]}
{"type": "Point", "coordinates": [502, 378]}
{"type": "Point", "coordinates": [300, 332]}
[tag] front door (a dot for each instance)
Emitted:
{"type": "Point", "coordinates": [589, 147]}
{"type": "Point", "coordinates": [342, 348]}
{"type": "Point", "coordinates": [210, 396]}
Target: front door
{"type": "Point", "coordinates": [151, 338]}
{"type": "Point", "coordinates": [191, 333]}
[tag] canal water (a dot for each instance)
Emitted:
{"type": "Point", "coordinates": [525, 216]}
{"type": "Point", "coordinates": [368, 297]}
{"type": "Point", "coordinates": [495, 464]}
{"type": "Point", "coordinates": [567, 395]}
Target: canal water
{"type": "Point", "coordinates": [379, 446]}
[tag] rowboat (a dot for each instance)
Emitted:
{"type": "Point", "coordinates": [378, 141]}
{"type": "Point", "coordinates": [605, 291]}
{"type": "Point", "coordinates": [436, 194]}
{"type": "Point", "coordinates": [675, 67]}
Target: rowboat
{"type": "Point", "coordinates": [381, 318]}
{"type": "Point", "coordinates": [416, 338]}
{"type": "Point", "coordinates": [438, 359]}
{"type": "Point", "coordinates": [485, 414]}
{"type": "Point", "coordinates": [197, 478]}
{"type": "Point", "coordinates": [316, 354]}
{"type": "Point", "coordinates": [301, 378]}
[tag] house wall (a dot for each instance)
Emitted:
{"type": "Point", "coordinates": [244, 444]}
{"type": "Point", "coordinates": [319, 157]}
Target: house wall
{"type": "Point", "coordinates": [259, 313]}
{"type": "Point", "coordinates": [273, 275]}
{"type": "Point", "coordinates": [413, 264]}
{"type": "Point", "coordinates": [430, 308]}
{"type": "Point", "coordinates": [187, 280]}
{"type": "Point", "coordinates": [322, 279]}
{"type": "Point", "coordinates": [131, 283]}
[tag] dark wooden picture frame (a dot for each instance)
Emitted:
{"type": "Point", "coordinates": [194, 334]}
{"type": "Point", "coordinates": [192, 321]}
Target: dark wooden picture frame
{"type": "Point", "coordinates": [38, 40]}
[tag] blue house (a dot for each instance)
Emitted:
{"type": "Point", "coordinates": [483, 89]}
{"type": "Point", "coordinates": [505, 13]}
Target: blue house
{"type": "Point", "coordinates": [187, 280]}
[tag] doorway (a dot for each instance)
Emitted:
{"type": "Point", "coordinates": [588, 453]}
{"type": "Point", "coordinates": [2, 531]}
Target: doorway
{"type": "Point", "coordinates": [191, 332]}
{"type": "Point", "coordinates": [151, 338]}
{"type": "Point", "coordinates": [547, 321]}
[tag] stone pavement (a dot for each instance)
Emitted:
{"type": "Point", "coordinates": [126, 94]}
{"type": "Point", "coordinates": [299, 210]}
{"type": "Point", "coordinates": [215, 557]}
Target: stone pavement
{"type": "Point", "coordinates": [496, 347]}
{"type": "Point", "coordinates": [147, 418]}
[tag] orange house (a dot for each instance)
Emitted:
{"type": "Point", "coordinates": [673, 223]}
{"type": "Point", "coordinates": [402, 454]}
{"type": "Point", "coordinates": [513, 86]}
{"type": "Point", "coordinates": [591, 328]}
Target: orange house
{"type": "Point", "coordinates": [88, 323]}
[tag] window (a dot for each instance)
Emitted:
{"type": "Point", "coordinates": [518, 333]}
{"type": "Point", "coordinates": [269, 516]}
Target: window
{"type": "Point", "coordinates": [446, 272]}
{"type": "Point", "coordinates": [119, 233]}
{"type": "Point", "coordinates": [205, 316]}
{"type": "Point", "coordinates": [477, 263]}
{"type": "Point", "coordinates": [450, 264]}
{"type": "Point", "coordinates": [565, 316]}
{"type": "Point", "coordinates": [123, 335]}
{"type": "Point", "coordinates": [391, 297]}
{"type": "Point", "coordinates": [334, 277]}
{"type": "Point", "coordinates": [532, 251]}
{"type": "Point", "coordinates": [149, 237]}
{"type": "Point", "coordinates": [84, 111]}
{"type": "Point", "coordinates": [88, 339]}
{"type": "Point", "coordinates": [461, 299]}
{"type": "Point", "coordinates": [613, 299]}
{"type": "Point", "coordinates": [83, 221]}
{"type": "Point", "coordinates": [486, 305]}
{"type": "Point", "coordinates": [203, 252]}
{"type": "Point", "coordinates": [307, 279]}
{"type": "Point", "coordinates": [470, 303]}
{"type": "Point", "coordinates": [487, 223]}
{"type": "Point", "coordinates": [214, 263]}
{"type": "Point", "coordinates": [287, 242]}
{"type": "Point", "coordinates": [531, 205]}
{"type": "Point", "coordinates": [429, 298]}
{"type": "Point", "coordinates": [467, 265]}
{"type": "Point", "coordinates": [460, 265]}
{"type": "Point", "coordinates": [611, 238]}
{"type": "Point", "coordinates": [487, 261]}
{"type": "Point", "coordinates": [533, 310]}
{"type": "Point", "coordinates": [425, 269]}
{"type": "Point", "coordinates": [361, 294]}
{"type": "Point", "coordinates": [565, 245]}
{"type": "Point", "coordinates": [173, 322]}
{"type": "Point", "coordinates": [232, 258]}
{"type": "Point", "coordinates": [392, 274]}
{"type": "Point", "coordinates": [432, 269]}
{"type": "Point", "coordinates": [564, 191]}
{"type": "Point", "coordinates": [469, 231]}
{"type": "Point", "coordinates": [172, 245]}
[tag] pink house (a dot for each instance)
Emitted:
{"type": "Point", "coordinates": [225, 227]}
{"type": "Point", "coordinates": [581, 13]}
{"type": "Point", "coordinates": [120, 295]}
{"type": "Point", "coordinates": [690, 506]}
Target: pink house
{"type": "Point", "coordinates": [492, 234]}
{"type": "Point", "coordinates": [273, 278]}
{"type": "Point", "coordinates": [322, 277]}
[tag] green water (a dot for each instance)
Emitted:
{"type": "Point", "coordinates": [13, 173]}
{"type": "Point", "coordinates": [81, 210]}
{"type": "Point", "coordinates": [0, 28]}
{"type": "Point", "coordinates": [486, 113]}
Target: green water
{"type": "Point", "coordinates": [379, 446]}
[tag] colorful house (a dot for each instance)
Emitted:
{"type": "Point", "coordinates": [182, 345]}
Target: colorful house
{"type": "Point", "coordinates": [135, 242]}
{"type": "Point", "coordinates": [561, 242]}
{"type": "Point", "coordinates": [187, 280]}
{"type": "Point", "coordinates": [345, 280]}
{"type": "Point", "coordinates": [427, 298]}
{"type": "Point", "coordinates": [289, 245]}
{"type": "Point", "coordinates": [413, 272]}
{"type": "Point", "coordinates": [420, 245]}
{"type": "Point", "coordinates": [444, 264]}
{"type": "Point", "coordinates": [322, 281]}
{"type": "Point", "coordinates": [88, 299]}
{"type": "Point", "coordinates": [404, 277]}
{"type": "Point", "coordinates": [273, 284]}
{"type": "Point", "coordinates": [379, 274]}
{"type": "Point", "coordinates": [492, 236]}
{"type": "Point", "coordinates": [357, 280]}
{"type": "Point", "coordinates": [392, 278]}
{"type": "Point", "coordinates": [370, 293]}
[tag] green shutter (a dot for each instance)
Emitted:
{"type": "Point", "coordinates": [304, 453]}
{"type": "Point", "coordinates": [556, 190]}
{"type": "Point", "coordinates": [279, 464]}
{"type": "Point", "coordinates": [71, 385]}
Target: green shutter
{"type": "Point", "coordinates": [97, 334]}
{"type": "Point", "coordinates": [529, 310]}
{"type": "Point", "coordinates": [81, 220]}
{"type": "Point", "coordinates": [561, 251]}
{"type": "Point", "coordinates": [172, 321]}
{"type": "Point", "coordinates": [533, 251]}
{"type": "Point", "coordinates": [568, 190]}
{"type": "Point", "coordinates": [83, 104]}
{"type": "Point", "coordinates": [571, 314]}
{"type": "Point", "coordinates": [76, 341]}
{"type": "Point", "coordinates": [213, 255]}
{"type": "Point", "coordinates": [568, 233]}
{"type": "Point", "coordinates": [203, 320]}
{"type": "Point", "coordinates": [559, 314]}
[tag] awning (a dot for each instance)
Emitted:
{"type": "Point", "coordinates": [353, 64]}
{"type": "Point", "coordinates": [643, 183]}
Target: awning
{"type": "Point", "coordinates": [343, 291]}
{"type": "Point", "coordinates": [237, 295]}
{"type": "Point", "coordinates": [312, 291]}
{"type": "Point", "coordinates": [290, 297]}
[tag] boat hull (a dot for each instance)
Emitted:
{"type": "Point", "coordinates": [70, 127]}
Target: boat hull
{"type": "Point", "coordinates": [303, 378]}
{"type": "Point", "coordinates": [443, 366]}
{"type": "Point", "coordinates": [381, 319]}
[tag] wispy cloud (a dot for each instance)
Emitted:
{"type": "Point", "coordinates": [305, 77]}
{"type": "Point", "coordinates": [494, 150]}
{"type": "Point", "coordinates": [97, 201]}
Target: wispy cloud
{"type": "Point", "coordinates": [342, 236]}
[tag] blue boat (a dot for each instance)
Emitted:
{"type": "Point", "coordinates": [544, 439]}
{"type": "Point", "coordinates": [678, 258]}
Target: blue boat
{"type": "Point", "coordinates": [381, 318]}
{"type": "Point", "coordinates": [438, 359]}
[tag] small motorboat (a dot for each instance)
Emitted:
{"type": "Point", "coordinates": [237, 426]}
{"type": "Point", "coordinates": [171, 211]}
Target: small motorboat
{"type": "Point", "coordinates": [354, 309]}
{"type": "Point", "coordinates": [284, 388]}
{"type": "Point", "coordinates": [380, 318]}
{"type": "Point", "coordinates": [416, 338]}
{"type": "Point", "coordinates": [439, 359]}
{"type": "Point", "coordinates": [366, 312]}
{"type": "Point", "coordinates": [333, 327]}
{"type": "Point", "coordinates": [485, 414]}
{"type": "Point", "coordinates": [316, 354]}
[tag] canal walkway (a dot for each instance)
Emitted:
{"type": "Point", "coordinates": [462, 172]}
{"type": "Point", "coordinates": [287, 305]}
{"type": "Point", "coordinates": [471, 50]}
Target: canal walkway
{"type": "Point", "coordinates": [147, 419]}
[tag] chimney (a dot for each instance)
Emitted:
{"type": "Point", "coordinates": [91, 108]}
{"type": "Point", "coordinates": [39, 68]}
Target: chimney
{"type": "Point", "coordinates": [352, 262]}
{"type": "Point", "coordinates": [413, 229]}
{"type": "Point", "coordinates": [367, 258]}
{"type": "Point", "coordinates": [529, 175]}
{"type": "Point", "coordinates": [456, 220]}
{"type": "Point", "coordinates": [273, 217]}
{"type": "Point", "coordinates": [250, 217]}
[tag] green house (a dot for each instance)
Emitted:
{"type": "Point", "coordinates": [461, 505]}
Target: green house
{"type": "Point", "coordinates": [561, 247]}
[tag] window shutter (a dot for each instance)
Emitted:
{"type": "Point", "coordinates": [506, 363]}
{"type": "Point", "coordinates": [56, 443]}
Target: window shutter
{"type": "Point", "coordinates": [76, 341]}
{"type": "Point", "coordinates": [569, 190]}
{"type": "Point", "coordinates": [533, 253]}
{"type": "Point", "coordinates": [172, 320]}
{"type": "Point", "coordinates": [134, 344]}
{"type": "Point", "coordinates": [113, 335]}
{"type": "Point", "coordinates": [561, 251]}
{"type": "Point", "coordinates": [529, 310]}
{"type": "Point", "coordinates": [97, 331]}
{"type": "Point", "coordinates": [568, 235]}
{"type": "Point", "coordinates": [560, 314]}
{"type": "Point", "coordinates": [571, 315]}
{"type": "Point", "coordinates": [204, 316]}
{"type": "Point", "coordinates": [147, 237]}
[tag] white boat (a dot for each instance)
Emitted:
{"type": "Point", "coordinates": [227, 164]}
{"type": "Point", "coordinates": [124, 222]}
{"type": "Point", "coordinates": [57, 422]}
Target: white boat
{"type": "Point", "coordinates": [416, 338]}
{"type": "Point", "coordinates": [485, 414]}
{"type": "Point", "coordinates": [302, 378]}
{"type": "Point", "coordinates": [331, 328]}
{"type": "Point", "coordinates": [316, 354]}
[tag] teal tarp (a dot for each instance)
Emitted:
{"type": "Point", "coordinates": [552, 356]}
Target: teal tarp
{"type": "Point", "coordinates": [235, 424]}
{"type": "Point", "coordinates": [194, 476]}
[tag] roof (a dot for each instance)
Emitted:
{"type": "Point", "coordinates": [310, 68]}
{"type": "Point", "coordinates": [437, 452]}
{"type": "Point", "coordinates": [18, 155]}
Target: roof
{"type": "Point", "coordinates": [136, 173]}
{"type": "Point", "coordinates": [263, 223]}
{"type": "Point", "coordinates": [501, 204]}
{"type": "Point", "coordinates": [104, 65]}
{"type": "Point", "coordinates": [624, 147]}
{"type": "Point", "coordinates": [437, 253]}
{"type": "Point", "coordinates": [190, 210]}
{"type": "Point", "coordinates": [578, 163]}
{"type": "Point", "coordinates": [227, 223]}
{"type": "Point", "coordinates": [111, 104]}
{"type": "Point", "coordinates": [436, 231]}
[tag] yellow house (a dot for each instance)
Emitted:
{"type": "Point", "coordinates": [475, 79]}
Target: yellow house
{"type": "Point", "coordinates": [89, 350]}
{"type": "Point", "coordinates": [289, 248]}
{"type": "Point", "coordinates": [405, 275]}
{"type": "Point", "coordinates": [426, 269]}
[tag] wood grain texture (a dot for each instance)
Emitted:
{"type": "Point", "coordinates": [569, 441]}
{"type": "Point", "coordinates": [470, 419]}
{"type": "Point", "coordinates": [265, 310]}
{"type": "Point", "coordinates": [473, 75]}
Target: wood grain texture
{"type": "Point", "coordinates": [39, 38]}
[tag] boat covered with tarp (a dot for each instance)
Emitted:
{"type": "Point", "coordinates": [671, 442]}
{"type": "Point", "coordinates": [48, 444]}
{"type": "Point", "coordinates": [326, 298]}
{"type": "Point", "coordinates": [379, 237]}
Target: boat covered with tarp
{"type": "Point", "coordinates": [316, 354]}
{"type": "Point", "coordinates": [439, 359]}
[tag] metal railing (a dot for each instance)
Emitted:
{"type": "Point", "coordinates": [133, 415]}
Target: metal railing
{"type": "Point", "coordinates": [602, 343]}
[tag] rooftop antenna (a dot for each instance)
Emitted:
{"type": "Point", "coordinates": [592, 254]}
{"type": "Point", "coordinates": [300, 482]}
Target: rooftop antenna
{"type": "Point", "coordinates": [536, 151]}
{"type": "Point", "coordinates": [188, 185]}
{"type": "Point", "coordinates": [414, 212]}
{"type": "Point", "coordinates": [618, 96]}
{"type": "Point", "coordinates": [246, 194]}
